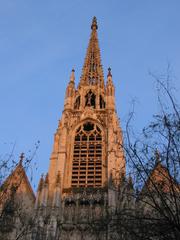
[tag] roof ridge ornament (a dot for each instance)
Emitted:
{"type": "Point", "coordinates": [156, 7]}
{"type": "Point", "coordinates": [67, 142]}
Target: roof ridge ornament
{"type": "Point", "coordinates": [109, 72]}
{"type": "Point", "coordinates": [21, 158]}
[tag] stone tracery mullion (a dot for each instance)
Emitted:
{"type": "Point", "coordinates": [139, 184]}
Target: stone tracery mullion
{"type": "Point", "coordinates": [87, 159]}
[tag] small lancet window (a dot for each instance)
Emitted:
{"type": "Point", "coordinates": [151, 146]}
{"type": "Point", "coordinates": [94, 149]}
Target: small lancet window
{"type": "Point", "coordinates": [77, 103]}
{"type": "Point", "coordinates": [101, 102]}
{"type": "Point", "coordinates": [90, 99]}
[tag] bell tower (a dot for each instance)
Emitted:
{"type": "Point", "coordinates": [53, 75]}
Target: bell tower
{"type": "Point", "coordinates": [87, 152]}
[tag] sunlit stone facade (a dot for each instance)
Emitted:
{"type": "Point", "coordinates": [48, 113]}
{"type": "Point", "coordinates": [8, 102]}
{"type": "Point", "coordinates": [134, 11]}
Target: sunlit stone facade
{"type": "Point", "coordinates": [87, 163]}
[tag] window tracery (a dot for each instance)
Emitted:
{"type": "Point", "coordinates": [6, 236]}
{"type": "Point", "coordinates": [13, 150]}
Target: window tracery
{"type": "Point", "coordinates": [87, 157]}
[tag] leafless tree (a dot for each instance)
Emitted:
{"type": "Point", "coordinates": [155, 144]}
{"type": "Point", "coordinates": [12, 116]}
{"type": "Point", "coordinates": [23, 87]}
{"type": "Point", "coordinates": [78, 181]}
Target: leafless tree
{"type": "Point", "coordinates": [154, 163]}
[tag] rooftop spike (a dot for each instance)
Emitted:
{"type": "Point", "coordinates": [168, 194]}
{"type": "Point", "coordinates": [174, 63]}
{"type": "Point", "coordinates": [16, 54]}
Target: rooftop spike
{"type": "Point", "coordinates": [21, 158]}
{"type": "Point", "coordinates": [72, 77]}
{"type": "Point", "coordinates": [109, 72]}
{"type": "Point", "coordinates": [109, 77]}
{"type": "Point", "coordinates": [92, 72]}
{"type": "Point", "coordinates": [94, 23]}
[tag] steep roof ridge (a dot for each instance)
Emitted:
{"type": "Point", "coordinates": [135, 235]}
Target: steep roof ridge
{"type": "Point", "coordinates": [16, 178]}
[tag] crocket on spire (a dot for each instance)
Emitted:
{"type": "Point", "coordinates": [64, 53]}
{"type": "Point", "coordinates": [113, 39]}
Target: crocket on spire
{"type": "Point", "coordinates": [92, 72]}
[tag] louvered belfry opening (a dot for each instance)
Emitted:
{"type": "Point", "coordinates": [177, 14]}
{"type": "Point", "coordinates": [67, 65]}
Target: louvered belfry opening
{"type": "Point", "coordinates": [87, 157]}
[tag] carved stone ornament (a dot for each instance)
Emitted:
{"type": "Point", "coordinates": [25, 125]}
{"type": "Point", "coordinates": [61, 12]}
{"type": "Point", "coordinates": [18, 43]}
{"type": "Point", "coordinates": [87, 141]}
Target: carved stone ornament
{"type": "Point", "coordinates": [102, 119]}
{"type": "Point", "coordinates": [88, 113]}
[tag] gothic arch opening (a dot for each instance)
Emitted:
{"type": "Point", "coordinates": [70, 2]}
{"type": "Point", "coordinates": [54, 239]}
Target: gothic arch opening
{"type": "Point", "coordinates": [101, 102]}
{"type": "Point", "coordinates": [90, 99]}
{"type": "Point", "coordinates": [87, 156]}
{"type": "Point", "coordinates": [77, 102]}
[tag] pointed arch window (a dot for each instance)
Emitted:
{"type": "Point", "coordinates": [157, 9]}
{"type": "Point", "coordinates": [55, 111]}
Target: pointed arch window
{"type": "Point", "coordinates": [87, 156]}
{"type": "Point", "coordinates": [90, 99]}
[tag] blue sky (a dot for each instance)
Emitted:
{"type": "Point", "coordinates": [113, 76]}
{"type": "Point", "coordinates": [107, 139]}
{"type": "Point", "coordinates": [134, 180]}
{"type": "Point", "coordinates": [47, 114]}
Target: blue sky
{"type": "Point", "coordinates": [41, 41]}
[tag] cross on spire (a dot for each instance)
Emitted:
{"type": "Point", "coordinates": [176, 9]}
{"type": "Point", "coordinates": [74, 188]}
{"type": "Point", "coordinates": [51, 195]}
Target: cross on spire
{"type": "Point", "coordinates": [21, 158]}
{"type": "Point", "coordinates": [157, 156]}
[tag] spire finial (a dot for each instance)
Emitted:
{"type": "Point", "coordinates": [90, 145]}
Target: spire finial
{"type": "Point", "coordinates": [157, 156]}
{"type": "Point", "coordinates": [92, 72]}
{"type": "Point", "coordinates": [94, 23]}
{"type": "Point", "coordinates": [21, 158]}
{"type": "Point", "coordinates": [72, 77]}
{"type": "Point", "coordinates": [109, 72]}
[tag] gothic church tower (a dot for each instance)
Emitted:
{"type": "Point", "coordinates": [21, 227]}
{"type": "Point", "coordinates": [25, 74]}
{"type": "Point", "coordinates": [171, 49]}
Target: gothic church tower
{"type": "Point", "coordinates": [87, 159]}
{"type": "Point", "coordinates": [87, 149]}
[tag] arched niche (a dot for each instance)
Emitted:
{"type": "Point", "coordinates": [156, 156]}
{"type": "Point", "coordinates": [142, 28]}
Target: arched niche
{"type": "Point", "coordinates": [77, 102]}
{"type": "Point", "coordinates": [101, 102]}
{"type": "Point", "coordinates": [90, 99]}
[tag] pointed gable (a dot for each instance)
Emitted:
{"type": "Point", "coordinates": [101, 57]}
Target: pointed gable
{"type": "Point", "coordinates": [160, 180]}
{"type": "Point", "coordinates": [17, 186]}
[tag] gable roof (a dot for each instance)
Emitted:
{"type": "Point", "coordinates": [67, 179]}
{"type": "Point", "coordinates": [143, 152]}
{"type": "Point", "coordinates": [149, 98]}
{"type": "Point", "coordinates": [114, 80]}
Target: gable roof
{"type": "Point", "coordinates": [17, 181]}
{"type": "Point", "coordinates": [160, 179]}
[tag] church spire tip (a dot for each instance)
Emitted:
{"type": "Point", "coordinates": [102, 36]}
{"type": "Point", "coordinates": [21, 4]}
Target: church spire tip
{"type": "Point", "coordinates": [109, 72]}
{"type": "Point", "coordinates": [94, 23]}
{"type": "Point", "coordinates": [92, 73]}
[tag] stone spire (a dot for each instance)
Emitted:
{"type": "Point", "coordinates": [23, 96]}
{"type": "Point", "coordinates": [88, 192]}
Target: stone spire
{"type": "Point", "coordinates": [109, 77]}
{"type": "Point", "coordinates": [72, 77]}
{"type": "Point", "coordinates": [110, 91]}
{"type": "Point", "coordinates": [70, 91]}
{"type": "Point", "coordinates": [92, 72]}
